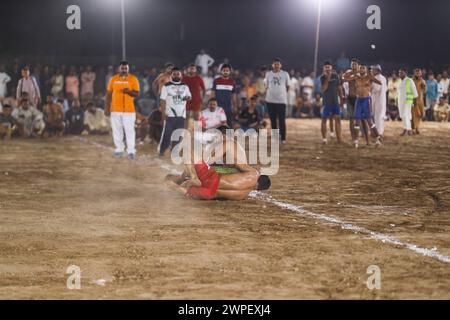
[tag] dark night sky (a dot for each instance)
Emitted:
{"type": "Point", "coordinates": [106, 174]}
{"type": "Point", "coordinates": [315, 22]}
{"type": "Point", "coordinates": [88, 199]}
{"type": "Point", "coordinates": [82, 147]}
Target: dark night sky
{"type": "Point", "coordinates": [249, 32]}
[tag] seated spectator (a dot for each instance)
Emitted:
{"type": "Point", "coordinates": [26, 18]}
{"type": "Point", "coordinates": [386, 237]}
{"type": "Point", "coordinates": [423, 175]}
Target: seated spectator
{"type": "Point", "coordinates": [75, 118]}
{"type": "Point", "coordinates": [53, 117]}
{"type": "Point", "coordinates": [95, 121]}
{"type": "Point", "coordinates": [213, 116]}
{"type": "Point", "coordinates": [248, 118]}
{"type": "Point", "coordinates": [30, 121]}
{"type": "Point", "coordinates": [7, 122]}
{"type": "Point", "coordinates": [442, 110]}
{"type": "Point", "coordinates": [392, 110]}
{"type": "Point", "coordinates": [317, 105]}
{"type": "Point", "coordinates": [305, 110]}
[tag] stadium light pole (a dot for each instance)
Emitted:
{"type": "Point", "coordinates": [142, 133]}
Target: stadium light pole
{"type": "Point", "coordinates": [124, 44]}
{"type": "Point", "coordinates": [316, 48]}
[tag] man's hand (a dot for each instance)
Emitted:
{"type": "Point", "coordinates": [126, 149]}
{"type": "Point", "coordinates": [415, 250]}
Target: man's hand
{"type": "Point", "coordinates": [107, 112]}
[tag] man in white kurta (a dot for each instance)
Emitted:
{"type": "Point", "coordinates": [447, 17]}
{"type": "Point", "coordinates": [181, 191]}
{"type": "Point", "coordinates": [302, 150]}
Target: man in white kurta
{"type": "Point", "coordinates": [378, 94]}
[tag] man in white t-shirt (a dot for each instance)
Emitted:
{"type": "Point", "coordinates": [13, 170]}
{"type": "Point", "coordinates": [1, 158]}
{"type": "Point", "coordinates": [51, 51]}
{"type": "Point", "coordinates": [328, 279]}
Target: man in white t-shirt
{"type": "Point", "coordinates": [277, 85]}
{"type": "Point", "coordinates": [214, 116]}
{"type": "Point", "coordinates": [4, 79]}
{"type": "Point", "coordinates": [174, 95]}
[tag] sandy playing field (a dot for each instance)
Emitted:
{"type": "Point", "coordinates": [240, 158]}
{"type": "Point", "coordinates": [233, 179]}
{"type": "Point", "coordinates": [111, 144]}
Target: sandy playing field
{"type": "Point", "coordinates": [332, 212]}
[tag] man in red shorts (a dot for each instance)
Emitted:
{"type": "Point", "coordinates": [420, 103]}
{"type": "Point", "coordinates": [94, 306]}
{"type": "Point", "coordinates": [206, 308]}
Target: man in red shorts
{"type": "Point", "coordinates": [197, 88]}
{"type": "Point", "coordinates": [228, 182]}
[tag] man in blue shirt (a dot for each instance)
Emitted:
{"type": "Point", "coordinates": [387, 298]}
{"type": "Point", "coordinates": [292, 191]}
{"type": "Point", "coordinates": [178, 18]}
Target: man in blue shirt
{"type": "Point", "coordinates": [431, 96]}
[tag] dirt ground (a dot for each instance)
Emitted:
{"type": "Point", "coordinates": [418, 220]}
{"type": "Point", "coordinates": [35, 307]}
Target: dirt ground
{"type": "Point", "coordinates": [69, 202]}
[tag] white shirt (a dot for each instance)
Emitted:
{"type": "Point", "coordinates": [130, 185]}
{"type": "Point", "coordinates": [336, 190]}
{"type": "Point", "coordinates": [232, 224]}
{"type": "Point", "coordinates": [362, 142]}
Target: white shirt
{"type": "Point", "coordinates": [401, 90]}
{"type": "Point", "coordinates": [379, 89]}
{"type": "Point", "coordinates": [204, 61]}
{"type": "Point", "coordinates": [175, 95]}
{"type": "Point", "coordinates": [308, 85]}
{"type": "Point", "coordinates": [445, 84]}
{"type": "Point", "coordinates": [277, 84]}
{"type": "Point", "coordinates": [4, 79]}
{"type": "Point", "coordinates": [212, 119]}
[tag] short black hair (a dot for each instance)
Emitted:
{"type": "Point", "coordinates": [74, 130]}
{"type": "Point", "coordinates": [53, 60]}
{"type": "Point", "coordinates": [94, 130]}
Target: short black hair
{"type": "Point", "coordinates": [7, 106]}
{"type": "Point", "coordinates": [90, 104]}
{"type": "Point", "coordinates": [169, 64]}
{"type": "Point", "coordinates": [403, 69]}
{"type": "Point", "coordinates": [356, 60]}
{"type": "Point", "coordinates": [123, 63]}
{"type": "Point", "coordinates": [225, 65]}
{"type": "Point", "coordinates": [276, 60]}
{"type": "Point", "coordinates": [211, 100]}
{"type": "Point", "coordinates": [175, 69]}
{"type": "Point", "coordinates": [264, 183]}
{"type": "Point", "coordinates": [192, 65]}
{"type": "Point", "coordinates": [327, 63]}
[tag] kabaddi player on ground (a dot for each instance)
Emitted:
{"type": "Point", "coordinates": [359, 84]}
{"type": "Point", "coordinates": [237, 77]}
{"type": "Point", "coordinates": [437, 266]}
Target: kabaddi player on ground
{"type": "Point", "coordinates": [229, 182]}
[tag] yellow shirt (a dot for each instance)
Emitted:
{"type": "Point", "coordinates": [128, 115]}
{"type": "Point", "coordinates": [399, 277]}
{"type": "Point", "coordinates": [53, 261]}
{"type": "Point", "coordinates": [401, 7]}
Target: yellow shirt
{"type": "Point", "coordinates": [122, 102]}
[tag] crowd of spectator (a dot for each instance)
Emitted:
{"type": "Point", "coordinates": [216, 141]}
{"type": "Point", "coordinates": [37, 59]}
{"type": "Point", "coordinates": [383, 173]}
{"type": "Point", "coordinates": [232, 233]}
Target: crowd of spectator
{"type": "Point", "coordinates": [55, 100]}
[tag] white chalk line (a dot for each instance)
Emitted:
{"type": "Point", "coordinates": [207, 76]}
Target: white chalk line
{"type": "Point", "coordinates": [378, 236]}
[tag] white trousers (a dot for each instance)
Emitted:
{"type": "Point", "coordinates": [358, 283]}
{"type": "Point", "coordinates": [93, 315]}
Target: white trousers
{"type": "Point", "coordinates": [123, 122]}
{"type": "Point", "coordinates": [379, 110]}
{"type": "Point", "coordinates": [404, 110]}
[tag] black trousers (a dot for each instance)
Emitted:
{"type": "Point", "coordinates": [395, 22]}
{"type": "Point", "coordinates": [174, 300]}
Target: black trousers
{"type": "Point", "coordinates": [170, 125]}
{"type": "Point", "coordinates": [277, 115]}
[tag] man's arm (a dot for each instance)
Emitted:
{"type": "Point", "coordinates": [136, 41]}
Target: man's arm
{"type": "Point", "coordinates": [375, 80]}
{"type": "Point", "coordinates": [132, 93]}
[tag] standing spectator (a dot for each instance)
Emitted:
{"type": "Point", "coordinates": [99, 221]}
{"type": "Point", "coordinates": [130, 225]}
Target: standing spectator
{"type": "Point", "coordinates": [173, 107]}
{"type": "Point", "coordinates": [204, 61]}
{"type": "Point", "coordinates": [445, 83]}
{"type": "Point", "coordinates": [418, 109]}
{"type": "Point", "coordinates": [4, 79]}
{"type": "Point", "coordinates": [162, 79]}
{"type": "Point", "coordinates": [108, 76]}
{"type": "Point", "coordinates": [378, 94]}
{"type": "Point", "coordinates": [208, 80]}
{"type": "Point", "coordinates": [260, 86]}
{"type": "Point", "coordinates": [224, 90]}
{"type": "Point", "coordinates": [213, 116]}
{"type": "Point", "coordinates": [393, 84]}
{"type": "Point", "coordinates": [122, 90]}
{"type": "Point", "coordinates": [197, 89]}
{"type": "Point", "coordinates": [277, 84]}
{"type": "Point", "coordinates": [75, 118]}
{"type": "Point", "coordinates": [73, 83]}
{"type": "Point", "coordinates": [46, 82]}
{"type": "Point", "coordinates": [407, 93]}
{"type": "Point", "coordinates": [27, 84]}
{"type": "Point", "coordinates": [57, 83]}
{"type": "Point", "coordinates": [431, 96]}
{"type": "Point", "coordinates": [87, 82]}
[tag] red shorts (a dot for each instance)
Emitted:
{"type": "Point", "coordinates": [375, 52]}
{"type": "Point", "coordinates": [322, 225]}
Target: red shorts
{"type": "Point", "coordinates": [194, 106]}
{"type": "Point", "coordinates": [210, 183]}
